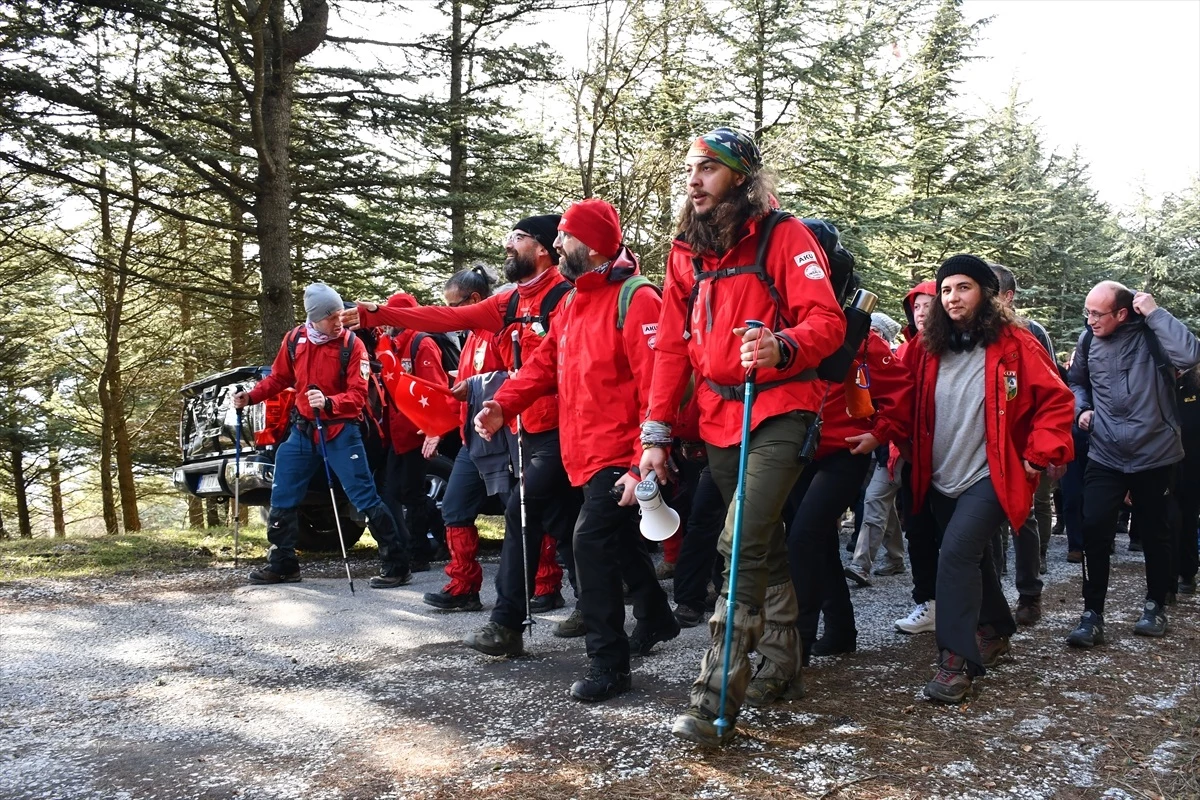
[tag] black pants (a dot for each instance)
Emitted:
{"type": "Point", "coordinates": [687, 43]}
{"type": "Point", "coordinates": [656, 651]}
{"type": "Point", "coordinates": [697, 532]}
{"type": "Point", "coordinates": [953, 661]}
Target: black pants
{"type": "Point", "coordinates": [826, 488]}
{"type": "Point", "coordinates": [968, 588]}
{"type": "Point", "coordinates": [694, 568]}
{"type": "Point", "coordinates": [920, 530]}
{"type": "Point", "coordinates": [608, 547]}
{"type": "Point", "coordinates": [1103, 496]}
{"type": "Point", "coordinates": [1187, 559]}
{"type": "Point", "coordinates": [551, 506]}
{"type": "Point", "coordinates": [404, 493]}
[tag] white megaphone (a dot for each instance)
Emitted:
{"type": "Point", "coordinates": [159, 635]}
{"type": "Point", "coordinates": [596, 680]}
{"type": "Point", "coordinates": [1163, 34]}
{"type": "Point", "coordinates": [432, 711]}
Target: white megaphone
{"type": "Point", "coordinates": [659, 520]}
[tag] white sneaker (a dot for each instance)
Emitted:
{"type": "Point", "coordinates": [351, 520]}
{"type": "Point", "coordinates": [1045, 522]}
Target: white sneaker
{"type": "Point", "coordinates": [920, 620]}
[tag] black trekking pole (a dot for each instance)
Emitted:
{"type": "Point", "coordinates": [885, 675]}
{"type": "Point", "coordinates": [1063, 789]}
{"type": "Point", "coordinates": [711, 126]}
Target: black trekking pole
{"type": "Point", "coordinates": [529, 622]}
{"type": "Point", "coordinates": [333, 498]}
{"type": "Point", "coordinates": [237, 480]}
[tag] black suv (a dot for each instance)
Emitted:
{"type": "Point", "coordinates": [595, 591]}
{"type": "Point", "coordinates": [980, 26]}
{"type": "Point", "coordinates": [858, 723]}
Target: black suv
{"type": "Point", "coordinates": [207, 434]}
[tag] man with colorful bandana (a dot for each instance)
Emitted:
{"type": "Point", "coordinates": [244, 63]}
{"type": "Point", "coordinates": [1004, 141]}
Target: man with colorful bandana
{"type": "Point", "coordinates": [711, 290]}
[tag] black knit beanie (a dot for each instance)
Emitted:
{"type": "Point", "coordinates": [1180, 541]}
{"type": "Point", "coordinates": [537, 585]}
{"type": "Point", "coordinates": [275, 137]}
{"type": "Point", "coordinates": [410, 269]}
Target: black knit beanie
{"type": "Point", "coordinates": [973, 267]}
{"type": "Point", "coordinates": [544, 228]}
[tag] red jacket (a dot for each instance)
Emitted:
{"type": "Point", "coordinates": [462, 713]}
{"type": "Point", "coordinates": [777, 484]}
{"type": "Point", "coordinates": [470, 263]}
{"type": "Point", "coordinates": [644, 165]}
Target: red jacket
{"type": "Point", "coordinates": [480, 355]}
{"type": "Point", "coordinates": [601, 374]}
{"type": "Point", "coordinates": [1028, 413]}
{"type": "Point", "coordinates": [891, 392]}
{"type": "Point", "coordinates": [487, 316]}
{"type": "Point", "coordinates": [812, 323]}
{"type": "Point", "coordinates": [401, 431]}
{"type": "Point", "coordinates": [319, 365]}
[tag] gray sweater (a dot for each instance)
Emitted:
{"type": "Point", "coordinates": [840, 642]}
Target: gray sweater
{"type": "Point", "coordinates": [1134, 426]}
{"type": "Point", "coordinates": [959, 436]}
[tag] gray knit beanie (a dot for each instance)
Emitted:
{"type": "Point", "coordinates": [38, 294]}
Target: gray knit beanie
{"type": "Point", "coordinates": [320, 302]}
{"type": "Point", "coordinates": [887, 327]}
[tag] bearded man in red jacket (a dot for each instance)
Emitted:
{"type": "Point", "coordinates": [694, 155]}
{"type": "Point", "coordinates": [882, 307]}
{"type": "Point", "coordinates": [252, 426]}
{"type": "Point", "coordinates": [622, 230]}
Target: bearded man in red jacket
{"type": "Point", "coordinates": [712, 288]}
{"type": "Point", "coordinates": [598, 361]}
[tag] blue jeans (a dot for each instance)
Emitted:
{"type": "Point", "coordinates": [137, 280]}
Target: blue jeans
{"type": "Point", "coordinates": [299, 458]}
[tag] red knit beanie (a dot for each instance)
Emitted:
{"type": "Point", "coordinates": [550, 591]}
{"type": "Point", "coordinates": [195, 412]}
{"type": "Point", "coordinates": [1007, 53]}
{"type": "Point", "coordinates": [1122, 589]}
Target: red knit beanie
{"type": "Point", "coordinates": [402, 300]}
{"type": "Point", "coordinates": [595, 223]}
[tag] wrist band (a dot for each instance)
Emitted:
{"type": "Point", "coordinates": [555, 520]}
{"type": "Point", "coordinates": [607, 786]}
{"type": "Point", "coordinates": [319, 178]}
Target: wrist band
{"type": "Point", "coordinates": [655, 434]}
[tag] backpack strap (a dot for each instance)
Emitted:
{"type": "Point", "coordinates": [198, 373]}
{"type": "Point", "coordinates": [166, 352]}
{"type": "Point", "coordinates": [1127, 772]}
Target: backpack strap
{"type": "Point", "coordinates": [414, 346]}
{"type": "Point", "coordinates": [1164, 366]}
{"type": "Point", "coordinates": [549, 302]}
{"type": "Point", "coordinates": [759, 268]}
{"type": "Point", "coordinates": [628, 288]}
{"type": "Point", "coordinates": [348, 338]}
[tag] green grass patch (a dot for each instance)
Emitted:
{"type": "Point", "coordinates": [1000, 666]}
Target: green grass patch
{"type": "Point", "coordinates": [162, 550]}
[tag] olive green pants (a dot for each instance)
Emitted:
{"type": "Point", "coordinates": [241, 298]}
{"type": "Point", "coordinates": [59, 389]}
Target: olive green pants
{"type": "Point", "coordinates": [771, 471]}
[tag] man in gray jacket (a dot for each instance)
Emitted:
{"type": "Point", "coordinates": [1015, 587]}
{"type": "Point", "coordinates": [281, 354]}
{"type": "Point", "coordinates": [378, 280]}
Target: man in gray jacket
{"type": "Point", "coordinates": [1123, 379]}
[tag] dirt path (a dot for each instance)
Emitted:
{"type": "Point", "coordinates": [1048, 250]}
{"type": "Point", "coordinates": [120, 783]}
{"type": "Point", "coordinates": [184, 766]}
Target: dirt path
{"type": "Point", "coordinates": [195, 685]}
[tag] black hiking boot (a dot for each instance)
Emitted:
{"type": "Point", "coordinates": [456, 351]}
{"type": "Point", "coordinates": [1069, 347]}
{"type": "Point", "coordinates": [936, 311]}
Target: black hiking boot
{"type": "Point", "coordinates": [494, 639]}
{"type": "Point", "coordinates": [645, 636]}
{"type": "Point", "coordinates": [1153, 621]}
{"type": "Point", "coordinates": [600, 684]}
{"type": "Point", "coordinates": [543, 603]}
{"type": "Point", "coordinates": [391, 581]}
{"type": "Point", "coordinates": [266, 576]}
{"type": "Point", "coordinates": [453, 602]}
{"type": "Point", "coordinates": [688, 617]}
{"type": "Point", "coordinates": [1089, 632]}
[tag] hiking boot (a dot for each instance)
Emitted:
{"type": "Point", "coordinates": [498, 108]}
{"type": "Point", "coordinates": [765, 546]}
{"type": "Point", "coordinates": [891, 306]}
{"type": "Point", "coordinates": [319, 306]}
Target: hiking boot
{"type": "Point", "coordinates": [453, 602]}
{"type": "Point", "coordinates": [1043, 567]}
{"type": "Point", "coordinates": [832, 644]}
{"type": "Point", "coordinates": [1074, 556]}
{"type": "Point", "coordinates": [921, 619]}
{"type": "Point", "coordinates": [665, 571]}
{"type": "Point", "coordinates": [418, 566]}
{"type": "Point", "coordinates": [1153, 621]}
{"type": "Point", "coordinates": [543, 603]}
{"type": "Point", "coordinates": [390, 581]}
{"type": "Point", "coordinates": [1029, 610]}
{"type": "Point", "coordinates": [688, 617]}
{"type": "Point", "coordinates": [494, 639]}
{"type": "Point", "coordinates": [266, 576]}
{"type": "Point", "coordinates": [952, 681]}
{"type": "Point", "coordinates": [600, 684]}
{"type": "Point", "coordinates": [764, 691]}
{"type": "Point", "coordinates": [1089, 632]}
{"type": "Point", "coordinates": [889, 569]}
{"type": "Point", "coordinates": [571, 627]}
{"type": "Point", "coordinates": [644, 636]}
{"type": "Point", "coordinates": [992, 647]}
{"type": "Point", "coordinates": [856, 574]}
{"type": "Point", "coordinates": [699, 726]}
{"type": "Point", "coordinates": [1186, 586]}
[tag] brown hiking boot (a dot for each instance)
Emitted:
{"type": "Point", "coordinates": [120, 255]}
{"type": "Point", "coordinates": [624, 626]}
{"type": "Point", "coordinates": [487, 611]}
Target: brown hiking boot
{"type": "Point", "coordinates": [992, 647]}
{"type": "Point", "coordinates": [699, 726]}
{"type": "Point", "coordinates": [1074, 556]}
{"type": "Point", "coordinates": [952, 682]}
{"type": "Point", "coordinates": [494, 639]}
{"type": "Point", "coordinates": [1029, 610]}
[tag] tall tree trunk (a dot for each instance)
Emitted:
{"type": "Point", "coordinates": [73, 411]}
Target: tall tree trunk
{"type": "Point", "coordinates": [212, 512]}
{"type": "Point", "coordinates": [275, 76]}
{"type": "Point", "coordinates": [195, 504]}
{"type": "Point", "coordinates": [56, 498]}
{"type": "Point", "coordinates": [458, 154]}
{"type": "Point", "coordinates": [24, 526]}
{"type": "Point", "coordinates": [3, 530]}
{"type": "Point", "coordinates": [108, 499]}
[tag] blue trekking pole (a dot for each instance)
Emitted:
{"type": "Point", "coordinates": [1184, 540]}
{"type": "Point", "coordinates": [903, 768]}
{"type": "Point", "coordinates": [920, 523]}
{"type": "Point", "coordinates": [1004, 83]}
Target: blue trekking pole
{"type": "Point", "coordinates": [329, 478]}
{"type": "Point", "coordinates": [237, 480]}
{"type": "Point", "coordinates": [739, 501]}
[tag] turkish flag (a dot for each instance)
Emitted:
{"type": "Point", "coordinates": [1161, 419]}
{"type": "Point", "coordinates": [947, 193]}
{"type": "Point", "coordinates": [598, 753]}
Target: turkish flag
{"type": "Point", "coordinates": [430, 407]}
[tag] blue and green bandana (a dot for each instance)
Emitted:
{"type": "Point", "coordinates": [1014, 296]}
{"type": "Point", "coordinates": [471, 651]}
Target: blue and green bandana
{"type": "Point", "coordinates": [733, 149]}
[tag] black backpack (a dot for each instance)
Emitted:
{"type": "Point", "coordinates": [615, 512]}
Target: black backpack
{"type": "Point", "coordinates": [541, 322]}
{"type": "Point", "coordinates": [447, 344]}
{"type": "Point", "coordinates": [841, 277]}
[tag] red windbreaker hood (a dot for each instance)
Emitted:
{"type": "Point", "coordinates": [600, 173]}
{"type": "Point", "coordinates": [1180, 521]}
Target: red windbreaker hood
{"type": "Point", "coordinates": [925, 287]}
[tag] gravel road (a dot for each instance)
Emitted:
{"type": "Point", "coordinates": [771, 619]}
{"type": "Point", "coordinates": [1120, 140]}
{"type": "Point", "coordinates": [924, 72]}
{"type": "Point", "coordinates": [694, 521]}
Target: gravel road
{"type": "Point", "coordinates": [195, 685]}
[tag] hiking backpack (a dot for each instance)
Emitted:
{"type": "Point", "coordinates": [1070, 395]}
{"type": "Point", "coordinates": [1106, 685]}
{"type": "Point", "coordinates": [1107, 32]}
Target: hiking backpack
{"type": "Point", "coordinates": [450, 349]}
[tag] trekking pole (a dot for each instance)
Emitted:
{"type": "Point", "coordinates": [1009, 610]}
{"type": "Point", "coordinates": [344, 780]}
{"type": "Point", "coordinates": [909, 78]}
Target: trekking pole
{"type": "Point", "coordinates": [529, 622]}
{"type": "Point", "coordinates": [329, 478]}
{"type": "Point", "coordinates": [237, 480]}
{"type": "Point", "coordinates": [739, 501]}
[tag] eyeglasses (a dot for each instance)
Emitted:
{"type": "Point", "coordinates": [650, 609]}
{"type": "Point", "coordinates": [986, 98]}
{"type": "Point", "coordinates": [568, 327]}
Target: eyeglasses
{"type": "Point", "coordinates": [1096, 316]}
{"type": "Point", "coordinates": [459, 303]}
{"type": "Point", "coordinates": [515, 237]}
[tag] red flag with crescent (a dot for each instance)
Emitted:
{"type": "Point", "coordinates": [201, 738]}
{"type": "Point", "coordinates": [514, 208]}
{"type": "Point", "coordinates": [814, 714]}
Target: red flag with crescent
{"type": "Point", "coordinates": [430, 407]}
